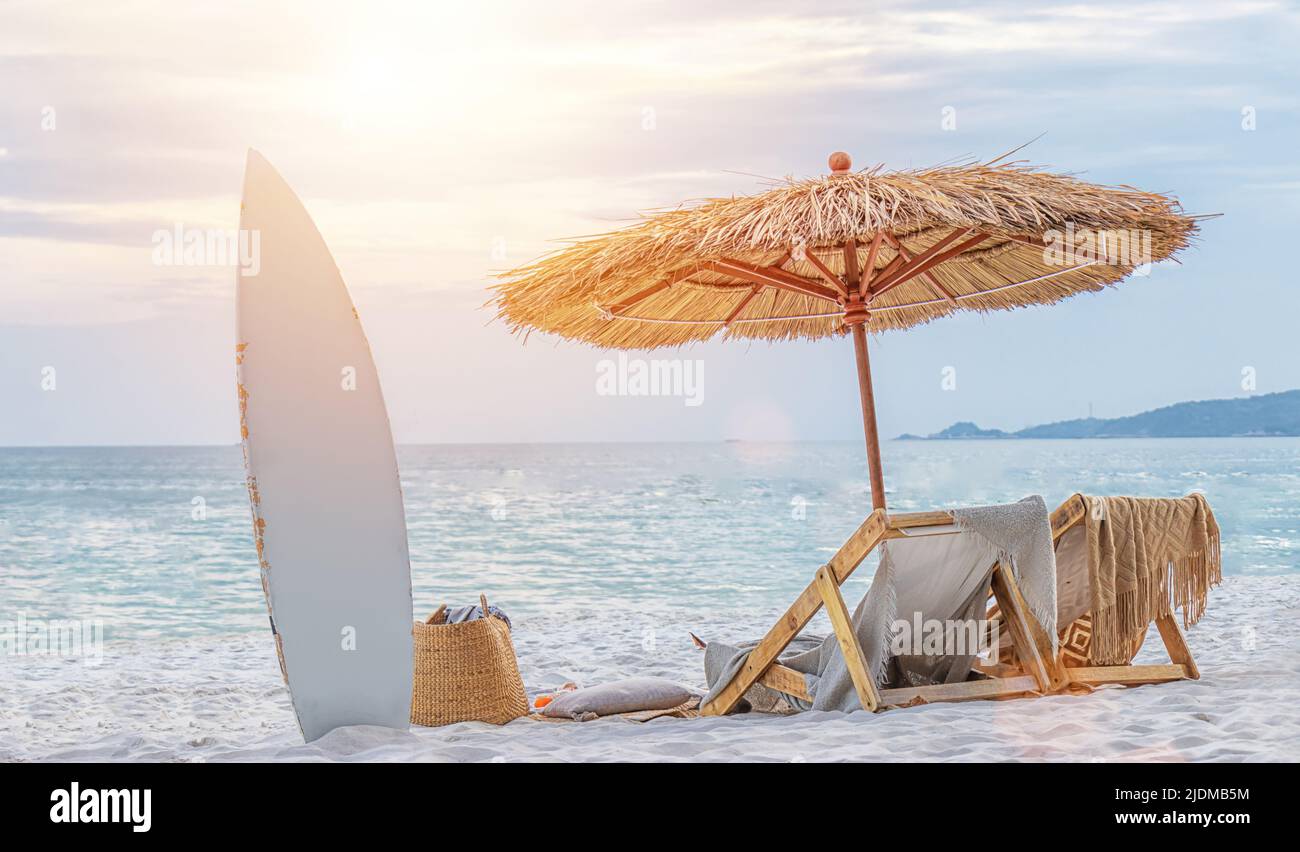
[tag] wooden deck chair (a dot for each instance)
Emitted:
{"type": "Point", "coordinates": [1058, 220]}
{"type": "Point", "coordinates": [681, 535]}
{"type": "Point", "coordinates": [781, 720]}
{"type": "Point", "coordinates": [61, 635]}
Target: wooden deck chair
{"type": "Point", "coordinates": [1069, 516]}
{"type": "Point", "coordinates": [1036, 668]}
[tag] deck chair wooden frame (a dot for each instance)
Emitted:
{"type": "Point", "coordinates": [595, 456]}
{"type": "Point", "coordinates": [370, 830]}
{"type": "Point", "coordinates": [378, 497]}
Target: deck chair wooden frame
{"type": "Point", "coordinates": [1038, 671]}
{"type": "Point", "coordinates": [1182, 666]}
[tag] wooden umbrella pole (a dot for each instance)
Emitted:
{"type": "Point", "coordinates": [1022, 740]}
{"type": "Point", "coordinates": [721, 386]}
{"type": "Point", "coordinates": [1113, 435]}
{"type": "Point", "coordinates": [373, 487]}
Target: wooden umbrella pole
{"type": "Point", "coordinates": [855, 317]}
{"type": "Point", "coordinates": [869, 416]}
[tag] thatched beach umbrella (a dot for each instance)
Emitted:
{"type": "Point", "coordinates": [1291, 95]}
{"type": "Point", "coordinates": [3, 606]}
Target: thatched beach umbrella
{"type": "Point", "coordinates": [848, 253]}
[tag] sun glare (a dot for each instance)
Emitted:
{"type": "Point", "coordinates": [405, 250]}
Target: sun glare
{"type": "Point", "coordinates": [375, 94]}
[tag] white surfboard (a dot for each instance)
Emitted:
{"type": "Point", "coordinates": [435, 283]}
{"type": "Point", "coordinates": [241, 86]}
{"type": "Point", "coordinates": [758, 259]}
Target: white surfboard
{"type": "Point", "coordinates": [322, 473]}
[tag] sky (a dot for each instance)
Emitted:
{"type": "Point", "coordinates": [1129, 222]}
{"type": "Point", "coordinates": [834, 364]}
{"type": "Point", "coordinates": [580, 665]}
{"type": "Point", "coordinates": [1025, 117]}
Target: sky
{"type": "Point", "coordinates": [438, 144]}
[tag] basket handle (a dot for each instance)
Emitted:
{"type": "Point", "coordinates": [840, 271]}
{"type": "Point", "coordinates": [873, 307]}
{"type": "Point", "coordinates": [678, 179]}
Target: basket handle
{"type": "Point", "coordinates": [433, 619]}
{"type": "Point", "coordinates": [482, 599]}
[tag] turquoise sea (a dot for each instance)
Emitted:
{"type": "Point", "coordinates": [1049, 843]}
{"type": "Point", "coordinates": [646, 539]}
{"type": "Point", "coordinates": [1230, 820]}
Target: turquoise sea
{"type": "Point", "coordinates": [156, 541]}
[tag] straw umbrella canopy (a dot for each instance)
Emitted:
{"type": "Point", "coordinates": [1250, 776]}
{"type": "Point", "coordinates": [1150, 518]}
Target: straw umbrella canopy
{"type": "Point", "coordinates": [848, 253]}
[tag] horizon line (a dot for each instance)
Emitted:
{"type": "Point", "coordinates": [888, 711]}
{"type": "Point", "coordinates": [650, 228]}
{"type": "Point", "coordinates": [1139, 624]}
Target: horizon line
{"type": "Point", "coordinates": [900, 439]}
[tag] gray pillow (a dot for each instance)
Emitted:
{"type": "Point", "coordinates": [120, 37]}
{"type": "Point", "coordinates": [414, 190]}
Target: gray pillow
{"type": "Point", "coordinates": [621, 696]}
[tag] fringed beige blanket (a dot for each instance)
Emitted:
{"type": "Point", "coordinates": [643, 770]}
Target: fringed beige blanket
{"type": "Point", "coordinates": [1147, 557]}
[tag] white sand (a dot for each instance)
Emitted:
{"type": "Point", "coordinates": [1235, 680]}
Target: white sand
{"type": "Point", "coordinates": [223, 700]}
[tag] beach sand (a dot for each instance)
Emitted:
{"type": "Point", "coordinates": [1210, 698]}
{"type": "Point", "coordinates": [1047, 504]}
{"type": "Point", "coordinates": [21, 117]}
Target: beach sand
{"type": "Point", "coordinates": [222, 700]}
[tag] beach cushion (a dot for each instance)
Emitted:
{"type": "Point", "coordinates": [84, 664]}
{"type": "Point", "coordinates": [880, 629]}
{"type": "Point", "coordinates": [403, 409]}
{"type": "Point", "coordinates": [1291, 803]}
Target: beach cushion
{"type": "Point", "coordinates": [620, 696]}
{"type": "Point", "coordinates": [1076, 644]}
{"type": "Point", "coordinates": [1076, 641]}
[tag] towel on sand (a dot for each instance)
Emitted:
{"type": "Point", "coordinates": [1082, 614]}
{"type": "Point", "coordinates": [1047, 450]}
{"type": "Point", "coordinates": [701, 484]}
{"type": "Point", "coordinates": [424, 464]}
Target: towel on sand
{"type": "Point", "coordinates": [1145, 558]}
{"type": "Point", "coordinates": [935, 577]}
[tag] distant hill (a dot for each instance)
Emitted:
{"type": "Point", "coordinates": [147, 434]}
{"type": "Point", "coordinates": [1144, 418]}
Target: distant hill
{"type": "Point", "coordinates": [1270, 414]}
{"type": "Point", "coordinates": [963, 429]}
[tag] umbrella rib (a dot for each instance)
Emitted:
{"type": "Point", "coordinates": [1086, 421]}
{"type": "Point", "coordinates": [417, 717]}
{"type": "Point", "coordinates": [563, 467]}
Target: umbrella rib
{"type": "Point", "coordinates": [1036, 242]}
{"type": "Point", "coordinates": [642, 295]}
{"type": "Point", "coordinates": [744, 303]}
{"type": "Point", "coordinates": [927, 277]}
{"type": "Point", "coordinates": [918, 266]}
{"type": "Point", "coordinates": [869, 271]}
{"type": "Point", "coordinates": [678, 276]}
{"type": "Point", "coordinates": [888, 271]}
{"type": "Point", "coordinates": [886, 282]}
{"type": "Point", "coordinates": [772, 277]}
{"type": "Point", "coordinates": [964, 296]}
{"type": "Point", "coordinates": [960, 298]}
{"type": "Point", "coordinates": [658, 321]}
{"type": "Point", "coordinates": [831, 277]}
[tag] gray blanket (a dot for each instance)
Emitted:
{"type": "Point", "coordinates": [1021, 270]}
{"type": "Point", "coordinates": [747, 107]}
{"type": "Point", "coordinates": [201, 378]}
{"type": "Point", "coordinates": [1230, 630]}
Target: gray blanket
{"type": "Point", "coordinates": [920, 577]}
{"type": "Point", "coordinates": [1022, 533]}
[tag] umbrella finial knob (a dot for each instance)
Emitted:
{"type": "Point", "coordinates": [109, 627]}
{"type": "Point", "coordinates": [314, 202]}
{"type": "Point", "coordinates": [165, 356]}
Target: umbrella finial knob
{"type": "Point", "coordinates": [840, 163]}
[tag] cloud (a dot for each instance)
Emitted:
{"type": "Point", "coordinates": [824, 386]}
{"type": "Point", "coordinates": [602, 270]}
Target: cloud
{"type": "Point", "coordinates": [434, 144]}
{"type": "Point", "coordinates": [424, 136]}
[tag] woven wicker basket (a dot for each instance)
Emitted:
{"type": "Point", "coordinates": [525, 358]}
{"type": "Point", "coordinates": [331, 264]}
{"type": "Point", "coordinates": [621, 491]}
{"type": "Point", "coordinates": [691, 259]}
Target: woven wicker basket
{"type": "Point", "coordinates": [465, 672]}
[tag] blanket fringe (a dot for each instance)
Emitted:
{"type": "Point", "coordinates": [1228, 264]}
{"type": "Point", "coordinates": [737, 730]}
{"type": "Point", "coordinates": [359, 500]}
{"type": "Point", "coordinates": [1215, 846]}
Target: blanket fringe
{"type": "Point", "coordinates": [1042, 609]}
{"type": "Point", "coordinates": [880, 665]}
{"type": "Point", "coordinates": [1035, 569]}
{"type": "Point", "coordinates": [1180, 580]}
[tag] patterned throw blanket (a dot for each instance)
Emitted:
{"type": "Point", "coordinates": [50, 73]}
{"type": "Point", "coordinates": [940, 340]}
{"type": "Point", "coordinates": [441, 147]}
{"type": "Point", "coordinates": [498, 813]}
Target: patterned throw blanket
{"type": "Point", "coordinates": [1147, 557]}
